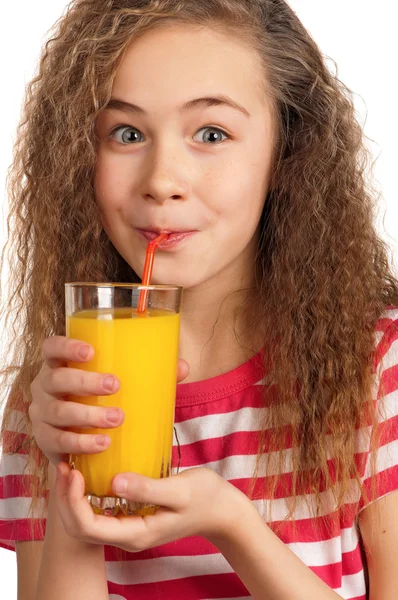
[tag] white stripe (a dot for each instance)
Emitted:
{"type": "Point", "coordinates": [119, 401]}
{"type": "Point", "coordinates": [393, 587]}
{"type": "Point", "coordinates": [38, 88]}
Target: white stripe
{"type": "Point", "coordinates": [18, 508]}
{"type": "Point", "coordinates": [378, 337]}
{"type": "Point", "coordinates": [325, 552]}
{"type": "Point", "coordinates": [318, 554]}
{"type": "Point", "coordinates": [390, 359]}
{"type": "Point", "coordinates": [218, 425]}
{"type": "Point", "coordinates": [14, 464]}
{"type": "Point", "coordinates": [166, 568]}
{"type": "Point", "coordinates": [390, 314]}
{"type": "Point", "coordinates": [9, 508]}
{"type": "Point", "coordinates": [352, 585]}
{"type": "Point", "coordinates": [243, 466]}
{"type": "Point", "coordinates": [387, 456]}
{"type": "Point", "coordinates": [249, 418]}
{"type": "Point", "coordinates": [116, 597]}
{"type": "Point", "coordinates": [17, 422]}
{"type": "Point", "coordinates": [170, 568]}
{"type": "Point", "coordinates": [389, 406]}
{"type": "Point", "coordinates": [280, 510]}
{"type": "Point", "coordinates": [349, 538]}
{"type": "Point", "coordinates": [306, 505]}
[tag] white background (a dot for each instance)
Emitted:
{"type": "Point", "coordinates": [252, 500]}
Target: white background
{"type": "Point", "coordinates": [358, 34]}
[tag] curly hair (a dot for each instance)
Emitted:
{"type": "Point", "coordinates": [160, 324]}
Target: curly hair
{"type": "Point", "coordinates": [322, 273]}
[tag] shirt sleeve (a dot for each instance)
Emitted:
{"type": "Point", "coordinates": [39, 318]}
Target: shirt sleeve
{"type": "Point", "coordinates": [17, 521]}
{"type": "Point", "coordinates": [385, 395]}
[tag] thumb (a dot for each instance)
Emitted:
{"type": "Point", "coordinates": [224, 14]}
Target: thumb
{"type": "Point", "coordinates": [182, 370]}
{"type": "Point", "coordinates": [136, 487]}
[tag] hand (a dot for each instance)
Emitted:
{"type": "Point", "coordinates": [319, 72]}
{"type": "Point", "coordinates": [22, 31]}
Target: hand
{"type": "Point", "coordinates": [196, 502]}
{"type": "Point", "coordinates": [51, 414]}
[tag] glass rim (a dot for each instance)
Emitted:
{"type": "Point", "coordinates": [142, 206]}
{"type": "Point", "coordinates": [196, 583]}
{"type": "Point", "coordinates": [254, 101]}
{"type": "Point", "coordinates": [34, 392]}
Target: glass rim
{"type": "Point", "coordinates": [132, 286]}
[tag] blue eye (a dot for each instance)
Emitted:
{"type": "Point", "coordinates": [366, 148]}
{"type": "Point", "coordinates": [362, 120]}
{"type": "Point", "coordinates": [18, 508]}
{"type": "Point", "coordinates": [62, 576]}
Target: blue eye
{"type": "Point", "coordinates": [130, 135]}
{"type": "Point", "coordinates": [215, 135]}
{"type": "Point", "coordinates": [126, 135]}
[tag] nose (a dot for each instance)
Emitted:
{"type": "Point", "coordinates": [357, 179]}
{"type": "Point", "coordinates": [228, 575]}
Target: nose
{"type": "Point", "coordinates": [164, 175]}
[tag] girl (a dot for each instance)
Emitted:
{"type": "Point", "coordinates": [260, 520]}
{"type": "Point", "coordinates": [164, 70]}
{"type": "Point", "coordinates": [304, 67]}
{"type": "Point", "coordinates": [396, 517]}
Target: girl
{"type": "Point", "coordinates": [217, 117]}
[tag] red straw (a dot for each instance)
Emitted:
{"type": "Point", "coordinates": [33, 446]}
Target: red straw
{"type": "Point", "coordinates": [148, 267]}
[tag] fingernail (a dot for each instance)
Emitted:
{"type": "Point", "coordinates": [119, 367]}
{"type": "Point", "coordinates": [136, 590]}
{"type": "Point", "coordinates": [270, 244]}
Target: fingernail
{"type": "Point", "coordinates": [102, 440]}
{"type": "Point", "coordinates": [112, 415]}
{"type": "Point", "coordinates": [84, 351]}
{"type": "Point", "coordinates": [120, 485]}
{"type": "Point", "coordinates": [108, 382]}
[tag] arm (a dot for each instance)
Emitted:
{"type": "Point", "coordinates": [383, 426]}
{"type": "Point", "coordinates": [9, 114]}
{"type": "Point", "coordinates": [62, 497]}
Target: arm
{"type": "Point", "coordinates": [266, 566]}
{"type": "Point", "coordinates": [28, 564]}
{"type": "Point", "coordinates": [378, 524]}
{"type": "Point", "coordinates": [69, 569]}
{"type": "Point", "coordinates": [270, 570]}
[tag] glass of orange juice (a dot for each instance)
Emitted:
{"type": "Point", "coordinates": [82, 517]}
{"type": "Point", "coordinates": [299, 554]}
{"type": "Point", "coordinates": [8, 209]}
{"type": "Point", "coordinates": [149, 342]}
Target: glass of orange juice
{"type": "Point", "coordinates": [141, 349]}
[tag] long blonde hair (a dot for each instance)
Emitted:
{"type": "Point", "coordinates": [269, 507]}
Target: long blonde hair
{"type": "Point", "coordinates": [322, 273]}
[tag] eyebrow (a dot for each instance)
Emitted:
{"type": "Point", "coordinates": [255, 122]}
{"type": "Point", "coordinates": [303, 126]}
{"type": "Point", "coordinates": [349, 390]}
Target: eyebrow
{"type": "Point", "coordinates": [205, 102]}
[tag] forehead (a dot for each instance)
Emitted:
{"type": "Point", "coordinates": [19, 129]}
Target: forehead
{"type": "Point", "coordinates": [167, 66]}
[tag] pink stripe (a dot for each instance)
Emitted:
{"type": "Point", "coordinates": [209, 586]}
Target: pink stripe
{"type": "Point", "coordinates": [330, 574]}
{"type": "Point", "coordinates": [389, 337]}
{"type": "Point", "coordinates": [317, 529]}
{"type": "Point", "coordinates": [388, 381]}
{"type": "Point", "coordinates": [15, 443]}
{"type": "Point", "coordinates": [254, 397]}
{"type": "Point", "coordinates": [6, 546]}
{"type": "Point", "coordinates": [226, 585]}
{"type": "Point", "coordinates": [20, 530]}
{"type": "Point", "coordinates": [284, 484]}
{"type": "Point", "coordinates": [352, 562]}
{"type": "Point", "coordinates": [385, 482]}
{"type": "Point", "coordinates": [388, 431]}
{"type": "Point", "coordinates": [222, 386]}
{"type": "Point", "coordinates": [242, 443]}
{"type": "Point", "coordinates": [16, 486]}
{"type": "Point", "coordinates": [383, 324]}
{"type": "Point", "coordinates": [190, 546]}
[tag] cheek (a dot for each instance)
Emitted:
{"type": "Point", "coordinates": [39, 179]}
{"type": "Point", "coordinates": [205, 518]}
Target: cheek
{"type": "Point", "coordinates": [103, 180]}
{"type": "Point", "coordinates": [111, 174]}
{"type": "Point", "coordinates": [242, 198]}
{"type": "Point", "coordinates": [243, 182]}
{"type": "Point", "coordinates": [108, 189]}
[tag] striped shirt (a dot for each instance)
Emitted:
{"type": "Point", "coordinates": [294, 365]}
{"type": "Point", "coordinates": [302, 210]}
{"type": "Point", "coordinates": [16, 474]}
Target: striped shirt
{"type": "Point", "coordinates": [217, 422]}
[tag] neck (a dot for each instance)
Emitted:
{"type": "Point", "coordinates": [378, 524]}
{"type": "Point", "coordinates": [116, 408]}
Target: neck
{"type": "Point", "coordinates": [217, 332]}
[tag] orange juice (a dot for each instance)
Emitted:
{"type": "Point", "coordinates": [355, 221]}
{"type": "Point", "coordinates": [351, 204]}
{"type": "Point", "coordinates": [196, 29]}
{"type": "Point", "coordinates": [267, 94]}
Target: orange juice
{"type": "Point", "coordinates": [142, 351]}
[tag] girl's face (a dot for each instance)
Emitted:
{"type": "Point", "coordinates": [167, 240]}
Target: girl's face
{"type": "Point", "coordinates": [186, 144]}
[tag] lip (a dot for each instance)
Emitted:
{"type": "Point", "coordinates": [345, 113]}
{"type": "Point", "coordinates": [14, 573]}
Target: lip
{"type": "Point", "coordinates": [174, 239]}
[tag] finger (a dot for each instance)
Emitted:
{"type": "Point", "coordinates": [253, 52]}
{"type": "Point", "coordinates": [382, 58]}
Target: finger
{"type": "Point", "coordinates": [182, 370]}
{"type": "Point", "coordinates": [133, 533]}
{"type": "Point", "coordinates": [76, 382]}
{"type": "Point", "coordinates": [61, 491]}
{"type": "Point", "coordinates": [82, 523]}
{"type": "Point", "coordinates": [168, 492]}
{"type": "Point", "coordinates": [61, 413]}
{"type": "Point", "coordinates": [58, 350]}
{"type": "Point", "coordinates": [75, 512]}
{"type": "Point", "coordinates": [61, 482]}
{"type": "Point", "coordinates": [58, 441]}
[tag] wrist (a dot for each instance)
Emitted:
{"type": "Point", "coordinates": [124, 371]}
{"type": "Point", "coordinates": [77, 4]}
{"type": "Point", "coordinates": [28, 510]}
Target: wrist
{"type": "Point", "coordinates": [235, 514]}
